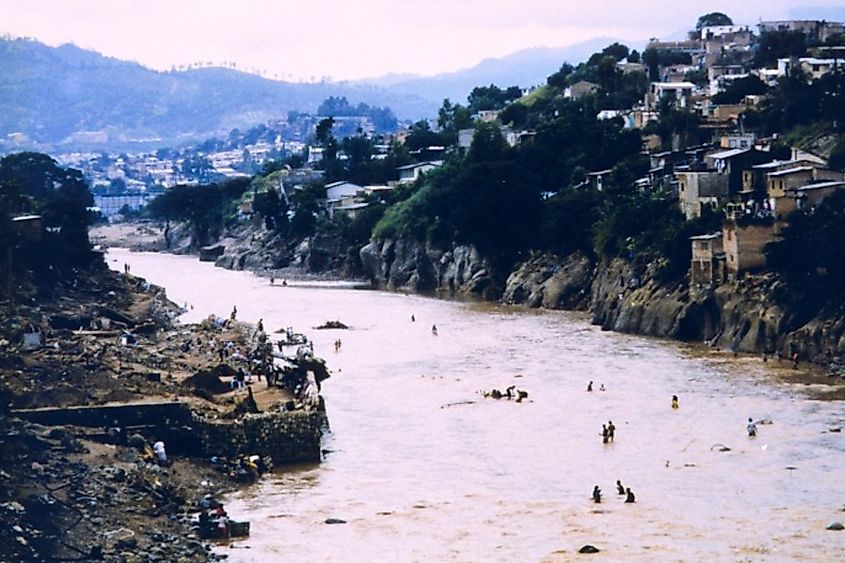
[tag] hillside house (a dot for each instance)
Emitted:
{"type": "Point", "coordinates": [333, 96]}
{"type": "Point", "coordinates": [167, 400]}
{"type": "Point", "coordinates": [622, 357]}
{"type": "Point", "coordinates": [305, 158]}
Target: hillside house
{"type": "Point", "coordinates": [598, 180]}
{"type": "Point", "coordinates": [487, 116]}
{"type": "Point", "coordinates": [810, 196]}
{"type": "Point", "coordinates": [708, 260]}
{"type": "Point", "coordinates": [679, 93]}
{"type": "Point", "coordinates": [744, 246]}
{"type": "Point", "coordinates": [580, 89]}
{"type": "Point", "coordinates": [783, 181]}
{"type": "Point", "coordinates": [412, 172]}
{"type": "Point", "coordinates": [699, 188]}
{"type": "Point", "coordinates": [340, 190]}
{"type": "Point", "coordinates": [732, 163]}
{"type": "Point", "coordinates": [755, 179]}
{"type": "Point", "coordinates": [813, 67]}
{"type": "Point", "coordinates": [815, 30]}
{"type": "Point", "coordinates": [351, 210]}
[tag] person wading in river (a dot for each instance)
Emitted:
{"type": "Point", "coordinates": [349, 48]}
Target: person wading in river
{"type": "Point", "coordinates": [752, 428]}
{"type": "Point", "coordinates": [611, 430]}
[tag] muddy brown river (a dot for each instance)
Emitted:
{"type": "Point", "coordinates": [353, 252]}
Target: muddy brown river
{"type": "Point", "coordinates": [423, 468]}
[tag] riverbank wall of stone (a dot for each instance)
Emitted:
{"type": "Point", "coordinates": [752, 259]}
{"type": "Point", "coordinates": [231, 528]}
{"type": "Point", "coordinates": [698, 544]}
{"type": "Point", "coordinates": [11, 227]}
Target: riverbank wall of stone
{"type": "Point", "coordinates": [286, 437]}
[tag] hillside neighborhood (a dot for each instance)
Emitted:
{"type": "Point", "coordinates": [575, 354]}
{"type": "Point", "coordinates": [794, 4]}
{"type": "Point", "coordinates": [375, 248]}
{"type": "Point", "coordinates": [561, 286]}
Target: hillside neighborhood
{"type": "Point", "coordinates": [717, 78]}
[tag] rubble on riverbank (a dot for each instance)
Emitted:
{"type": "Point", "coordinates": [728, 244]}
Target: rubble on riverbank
{"type": "Point", "coordinates": [93, 492]}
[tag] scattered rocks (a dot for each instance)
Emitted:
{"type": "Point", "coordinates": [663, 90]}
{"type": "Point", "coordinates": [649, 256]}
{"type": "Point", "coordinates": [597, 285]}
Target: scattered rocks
{"type": "Point", "coordinates": [588, 549]}
{"type": "Point", "coordinates": [836, 526]}
{"type": "Point", "coordinates": [335, 521]}
{"type": "Point", "coordinates": [332, 325]}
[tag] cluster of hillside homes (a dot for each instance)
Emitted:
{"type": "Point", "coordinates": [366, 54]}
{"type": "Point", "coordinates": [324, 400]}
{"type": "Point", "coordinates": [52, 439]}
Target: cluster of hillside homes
{"type": "Point", "coordinates": [737, 172]}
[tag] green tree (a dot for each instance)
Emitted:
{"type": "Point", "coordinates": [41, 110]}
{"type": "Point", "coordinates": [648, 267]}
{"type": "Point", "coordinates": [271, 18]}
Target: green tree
{"type": "Point", "coordinates": [738, 89]}
{"type": "Point", "coordinates": [774, 45]}
{"type": "Point", "coordinates": [711, 19]}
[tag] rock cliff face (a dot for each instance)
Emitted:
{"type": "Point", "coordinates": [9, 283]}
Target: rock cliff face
{"type": "Point", "coordinates": [551, 282]}
{"type": "Point", "coordinates": [415, 266]}
{"type": "Point", "coordinates": [624, 298]}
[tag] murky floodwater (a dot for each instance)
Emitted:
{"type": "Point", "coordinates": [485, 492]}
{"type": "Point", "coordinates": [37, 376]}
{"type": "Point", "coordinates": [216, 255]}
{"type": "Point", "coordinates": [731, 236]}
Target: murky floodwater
{"type": "Point", "coordinates": [423, 468]}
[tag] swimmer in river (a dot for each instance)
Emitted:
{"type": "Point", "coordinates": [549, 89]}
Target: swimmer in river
{"type": "Point", "coordinates": [596, 494]}
{"type": "Point", "coordinates": [601, 387]}
{"type": "Point", "coordinates": [675, 402]}
{"type": "Point", "coordinates": [272, 280]}
{"type": "Point", "coordinates": [590, 386]}
{"type": "Point", "coordinates": [620, 490]}
{"type": "Point", "coordinates": [629, 496]}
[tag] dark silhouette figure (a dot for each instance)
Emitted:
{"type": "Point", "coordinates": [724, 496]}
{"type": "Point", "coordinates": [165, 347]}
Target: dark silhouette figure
{"type": "Point", "coordinates": [620, 490]}
{"type": "Point", "coordinates": [629, 496]}
{"type": "Point", "coordinates": [596, 494]}
{"type": "Point", "coordinates": [590, 386]}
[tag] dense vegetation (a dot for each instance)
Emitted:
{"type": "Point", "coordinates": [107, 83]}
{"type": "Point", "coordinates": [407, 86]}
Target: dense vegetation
{"type": "Point", "coordinates": [33, 183]}
{"type": "Point", "coordinates": [207, 208]}
{"type": "Point", "coordinates": [809, 256]}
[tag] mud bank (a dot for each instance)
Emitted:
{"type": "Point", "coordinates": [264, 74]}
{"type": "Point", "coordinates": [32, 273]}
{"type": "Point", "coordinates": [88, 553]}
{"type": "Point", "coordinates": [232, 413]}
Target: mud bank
{"type": "Point", "coordinates": [94, 371]}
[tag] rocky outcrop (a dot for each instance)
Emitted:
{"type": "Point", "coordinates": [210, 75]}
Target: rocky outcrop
{"type": "Point", "coordinates": [630, 297]}
{"type": "Point", "coordinates": [415, 266]}
{"type": "Point", "coordinates": [549, 281]}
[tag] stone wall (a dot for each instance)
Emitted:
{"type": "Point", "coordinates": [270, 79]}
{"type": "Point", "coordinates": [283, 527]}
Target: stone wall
{"type": "Point", "coordinates": [134, 414]}
{"type": "Point", "coordinates": [287, 437]}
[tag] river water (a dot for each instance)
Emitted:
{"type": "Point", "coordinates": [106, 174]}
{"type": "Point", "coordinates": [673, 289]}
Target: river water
{"type": "Point", "coordinates": [423, 468]}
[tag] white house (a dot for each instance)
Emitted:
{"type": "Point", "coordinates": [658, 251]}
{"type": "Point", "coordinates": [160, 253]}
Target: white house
{"type": "Point", "coordinates": [411, 172]}
{"type": "Point", "coordinates": [341, 190]}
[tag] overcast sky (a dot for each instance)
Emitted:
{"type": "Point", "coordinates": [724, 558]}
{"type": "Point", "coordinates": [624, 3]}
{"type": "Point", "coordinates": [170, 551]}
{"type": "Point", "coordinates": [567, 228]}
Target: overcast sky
{"type": "Point", "coordinates": [346, 39]}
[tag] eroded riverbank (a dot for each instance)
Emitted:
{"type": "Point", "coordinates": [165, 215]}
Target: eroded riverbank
{"type": "Point", "coordinates": [103, 374]}
{"type": "Point", "coordinates": [421, 466]}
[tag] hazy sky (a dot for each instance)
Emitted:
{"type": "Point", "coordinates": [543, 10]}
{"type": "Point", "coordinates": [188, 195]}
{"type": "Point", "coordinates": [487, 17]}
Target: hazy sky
{"type": "Point", "coordinates": [345, 39]}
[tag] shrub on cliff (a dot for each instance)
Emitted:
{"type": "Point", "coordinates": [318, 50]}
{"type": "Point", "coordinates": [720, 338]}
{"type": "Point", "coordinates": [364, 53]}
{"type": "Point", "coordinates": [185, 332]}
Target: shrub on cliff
{"type": "Point", "coordinates": [811, 250]}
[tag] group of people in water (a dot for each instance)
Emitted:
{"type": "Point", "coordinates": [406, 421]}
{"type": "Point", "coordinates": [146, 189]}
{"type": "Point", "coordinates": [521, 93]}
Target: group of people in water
{"type": "Point", "coordinates": [510, 393]}
{"type": "Point", "coordinates": [620, 490]}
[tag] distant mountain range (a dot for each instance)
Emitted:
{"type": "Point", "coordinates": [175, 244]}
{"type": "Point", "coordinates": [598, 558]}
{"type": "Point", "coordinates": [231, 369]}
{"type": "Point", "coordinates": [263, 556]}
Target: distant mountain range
{"type": "Point", "coordinates": [54, 98]}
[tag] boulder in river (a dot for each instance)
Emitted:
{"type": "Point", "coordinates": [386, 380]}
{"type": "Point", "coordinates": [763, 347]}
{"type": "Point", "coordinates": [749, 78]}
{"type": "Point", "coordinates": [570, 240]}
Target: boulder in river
{"type": "Point", "coordinates": [836, 526]}
{"type": "Point", "coordinates": [588, 549]}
